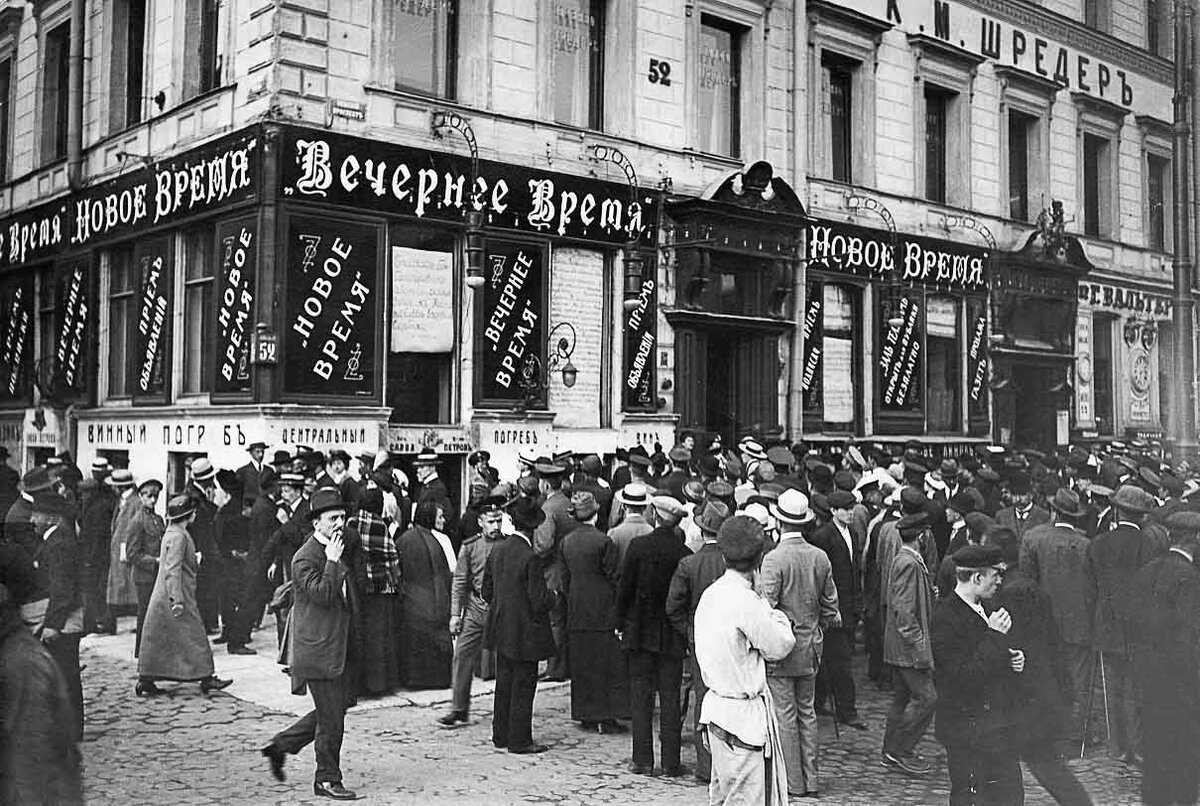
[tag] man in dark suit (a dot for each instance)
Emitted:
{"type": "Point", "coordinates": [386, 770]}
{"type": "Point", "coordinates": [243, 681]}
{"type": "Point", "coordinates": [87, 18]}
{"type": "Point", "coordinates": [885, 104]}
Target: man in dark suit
{"type": "Point", "coordinates": [430, 488]}
{"type": "Point", "coordinates": [1114, 558]}
{"type": "Point", "coordinates": [292, 529]}
{"type": "Point", "coordinates": [844, 549]}
{"type": "Point", "coordinates": [975, 673]}
{"type": "Point", "coordinates": [210, 579]}
{"type": "Point", "coordinates": [591, 468]}
{"type": "Point", "coordinates": [655, 650]}
{"type": "Point", "coordinates": [9, 481]}
{"type": "Point", "coordinates": [673, 482]}
{"type": "Point", "coordinates": [256, 475]}
{"type": "Point", "coordinates": [547, 543]}
{"type": "Point", "coordinates": [320, 649]}
{"type": "Point", "coordinates": [1165, 598]}
{"type": "Point", "coordinates": [1022, 515]}
{"type": "Point", "coordinates": [518, 628]}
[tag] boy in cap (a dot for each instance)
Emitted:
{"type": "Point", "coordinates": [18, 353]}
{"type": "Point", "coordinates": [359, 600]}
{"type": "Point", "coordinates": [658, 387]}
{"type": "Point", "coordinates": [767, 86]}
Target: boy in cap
{"type": "Point", "coordinates": [975, 672]}
{"type": "Point", "coordinates": [737, 632]}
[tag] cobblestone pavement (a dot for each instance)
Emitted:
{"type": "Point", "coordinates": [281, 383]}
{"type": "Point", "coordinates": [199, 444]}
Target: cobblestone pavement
{"type": "Point", "coordinates": [187, 748]}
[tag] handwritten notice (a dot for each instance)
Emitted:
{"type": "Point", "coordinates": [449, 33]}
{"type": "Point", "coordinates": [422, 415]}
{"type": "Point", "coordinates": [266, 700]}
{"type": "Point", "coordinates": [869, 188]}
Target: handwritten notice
{"type": "Point", "coordinates": [838, 379]}
{"type": "Point", "coordinates": [153, 258]}
{"type": "Point", "coordinates": [900, 359]}
{"type": "Point", "coordinates": [422, 301]}
{"type": "Point", "coordinates": [16, 346]}
{"type": "Point", "coordinates": [638, 390]}
{"type": "Point", "coordinates": [332, 308]}
{"type": "Point", "coordinates": [70, 348]}
{"type": "Point", "coordinates": [512, 327]}
{"type": "Point", "coordinates": [235, 305]}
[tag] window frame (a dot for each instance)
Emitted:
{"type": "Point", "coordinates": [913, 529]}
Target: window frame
{"type": "Point", "coordinates": [124, 108]}
{"type": "Point", "coordinates": [1110, 391]}
{"type": "Point", "coordinates": [750, 16]}
{"type": "Point", "coordinates": [1097, 14]}
{"type": "Point", "coordinates": [1031, 95]}
{"type": "Point", "coordinates": [385, 73]}
{"type": "Point", "coordinates": [204, 231]}
{"type": "Point", "coordinates": [951, 69]}
{"type": "Point", "coordinates": [813, 417]}
{"type": "Point", "coordinates": [1102, 119]}
{"type": "Point", "coordinates": [108, 393]}
{"type": "Point", "coordinates": [1157, 143]}
{"type": "Point", "coordinates": [737, 68]}
{"type": "Point", "coordinates": [8, 53]}
{"type": "Point", "coordinates": [598, 10]}
{"type": "Point", "coordinates": [959, 352]}
{"type": "Point", "coordinates": [48, 140]}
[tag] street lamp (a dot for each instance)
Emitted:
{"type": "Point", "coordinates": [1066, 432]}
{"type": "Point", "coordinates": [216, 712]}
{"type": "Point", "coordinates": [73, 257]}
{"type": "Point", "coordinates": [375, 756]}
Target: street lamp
{"type": "Point", "coordinates": [472, 216]}
{"type": "Point", "coordinates": [535, 376]}
{"type": "Point", "coordinates": [635, 261]}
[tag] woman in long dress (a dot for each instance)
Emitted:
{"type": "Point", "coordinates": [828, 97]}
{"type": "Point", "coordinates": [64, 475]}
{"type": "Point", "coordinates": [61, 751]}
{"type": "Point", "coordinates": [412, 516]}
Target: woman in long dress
{"type": "Point", "coordinates": [143, 541]}
{"type": "Point", "coordinates": [174, 643]}
{"type": "Point", "coordinates": [426, 571]}
{"type": "Point", "coordinates": [380, 579]}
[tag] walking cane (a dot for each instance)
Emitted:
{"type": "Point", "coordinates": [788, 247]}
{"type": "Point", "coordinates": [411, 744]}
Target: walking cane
{"type": "Point", "coordinates": [1104, 688]}
{"type": "Point", "coordinates": [1091, 699]}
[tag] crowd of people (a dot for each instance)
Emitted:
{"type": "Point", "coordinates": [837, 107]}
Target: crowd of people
{"type": "Point", "coordinates": [995, 592]}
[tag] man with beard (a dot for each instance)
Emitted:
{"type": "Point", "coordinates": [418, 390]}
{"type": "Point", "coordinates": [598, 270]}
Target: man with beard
{"type": "Point", "coordinates": [321, 647]}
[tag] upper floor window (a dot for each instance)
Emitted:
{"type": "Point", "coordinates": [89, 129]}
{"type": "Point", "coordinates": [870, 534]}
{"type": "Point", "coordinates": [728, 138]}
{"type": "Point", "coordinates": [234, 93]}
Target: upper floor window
{"type": "Point", "coordinates": [839, 94]}
{"type": "Point", "coordinates": [1097, 14]}
{"type": "Point", "coordinates": [937, 115]}
{"type": "Point", "coordinates": [1022, 150]}
{"type": "Point", "coordinates": [1158, 201]}
{"type": "Point", "coordinates": [1025, 103]}
{"type": "Point", "coordinates": [198, 272]}
{"type": "Point", "coordinates": [54, 92]}
{"type": "Point", "coordinates": [720, 80]}
{"type": "Point", "coordinates": [577, 74]}
{"type": "Point", "coordinates": [202, 64]}
{"type": "Point", "coordinates": [424, 44]}
{"type": "Point", "coordinates": [5, 114]}
{"type": "Point", "coordinates": [942, 120]}
{"type": "Point", "coordinates": [127, 56]}
{"type": "Point", "coordinates": [1097, 185]}
{"type": "Point", "coordinates": [122, 316]}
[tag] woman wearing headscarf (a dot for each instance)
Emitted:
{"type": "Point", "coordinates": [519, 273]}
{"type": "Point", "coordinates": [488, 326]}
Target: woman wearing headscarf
{"type": "Point", "coordinates": [176, 645]}
{"type": "Point", "coordinates": [142, 546]}
{"type": "Point", "coordinates": [426, 569]}
{"type": "Point", "coordinates": [381, 600]}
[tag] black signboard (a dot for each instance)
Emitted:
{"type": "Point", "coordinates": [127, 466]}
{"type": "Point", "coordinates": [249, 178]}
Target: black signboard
{"type": "Point", "coordinates": [72, 297]}
{"type": "Point", "coordinates": [213, 176]}
{"type": "Point", "coordinates": [150, 371]}
{"type": "Point", "coordinates": [332, 309]}
{"type": "Point", "coordinates": [977, 365]}
{"type": "Point", "coordinates": [900, 355]}
{"type": "Point", "coordinates": [864, 252]}
{"type": "Point", "coordinates": [237, 241]}
{"type": "Point", "coordinates": [810, 378]}
{"type": "Point", "coordinates": [638, 390]}
{"type": "Point", "coordinates": [16, 337]}
{"type": "Point", "coordinates": [390, 178]}
{"type": "Point", "coordinates": [511, 325]}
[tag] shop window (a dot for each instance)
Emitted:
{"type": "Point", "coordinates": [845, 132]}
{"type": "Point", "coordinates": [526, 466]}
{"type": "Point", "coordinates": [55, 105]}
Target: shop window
{"type": "Point", "coordinates": [838, 75]}
{"type": "Point", "coordinates": [127, 55]}
{"type": "Point", "coordinates": [937, 112]}
{"type": "Point", "coordinates": [831, 381]}
{"type": "Point", "coordinates": [719, 85]}
{"type": "Point", "coordinates": [1097, 185]}
{"type": "Point", "coordinates": [577, 73]}
{"type": "Point", "coordinates": [1158, 200]}
{"type": "Point", "coordinates": [119, 460]}
{"type": "Point", "coordinates": [1102, 361]}
{"type": "Point", "coordinates": [1022, 147]}
{"type": "Point", "coordinates": [943, 361]}
{"type": "Point", "coordinates": [1097, 14]}
{"type": "Point", "coordinates": [5, 114]}
{"type": "Point", "coordinates": [122, 310]}
{"type": "Point", "coordinates": [203, 60]}
{"type": "Point", "coordinates": [421, 344]}
{"type": "Point", "coordinates": [54, 92]}
{"type": "Point", "coordinates": [198, 272]}
{"type": "Point", "coordinates": [423, 45]}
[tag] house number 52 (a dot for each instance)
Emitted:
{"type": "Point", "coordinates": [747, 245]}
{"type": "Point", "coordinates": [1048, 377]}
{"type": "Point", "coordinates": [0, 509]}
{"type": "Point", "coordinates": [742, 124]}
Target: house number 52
{"type": "Point", "coordinates": [660, 72]}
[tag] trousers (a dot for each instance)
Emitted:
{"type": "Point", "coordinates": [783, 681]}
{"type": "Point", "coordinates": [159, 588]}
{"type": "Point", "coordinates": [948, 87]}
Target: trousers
{"type": "Point", "coordinates": [797, 717]}
{"type": "Point", "coordinates": [323, 727]}
{"type": "Point", "coordinates": [739, 776]}
{"type": "Point", "coordinates": [835, 676]}
{"type": "Point", "coordinates": [65, 651]}
{"type": "Point", "coordinates": [467, 648]}
{"type": "Point", "coordinates": [703, 756]}
{"type": "Point", "coordinates": [1122, 704]}
{"type": "Point", "coordinates": [653, 673]}
{"type": "Point", "coordinates": [980, 777]}
{"type": "Point", "coordinates": [914, 700]}
{"type": "Point", "coordinates": [512, 717]}
{"type": "Point", "coordinates": [144, 591]}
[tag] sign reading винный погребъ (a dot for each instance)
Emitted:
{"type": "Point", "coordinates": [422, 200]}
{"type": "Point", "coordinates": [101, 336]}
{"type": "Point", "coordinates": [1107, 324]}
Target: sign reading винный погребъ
{"type": "Point", "coordinates": [332, 308]}
{"type": "Point", "coordinates": [213, 176]}
{"type": "Point", "coordinates": [391, 179]}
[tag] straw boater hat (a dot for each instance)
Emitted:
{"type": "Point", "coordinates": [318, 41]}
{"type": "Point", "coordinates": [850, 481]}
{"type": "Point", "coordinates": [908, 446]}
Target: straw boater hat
{"type": "Point", "coordinates": [793, 509]}
{"type": "Point", "coordinates": [634, 494]}
{"type": "Point", "coordinates": [120, 479]}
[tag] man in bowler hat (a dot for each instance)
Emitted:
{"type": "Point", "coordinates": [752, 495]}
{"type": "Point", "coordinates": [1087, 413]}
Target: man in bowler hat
{"type": "Point", "coordinates": [320, 647]}
{"type": "Point", "coordinates": [518, 628]}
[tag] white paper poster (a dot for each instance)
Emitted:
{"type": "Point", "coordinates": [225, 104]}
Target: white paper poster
{"type": "Point", "coordinates": [422, 301]}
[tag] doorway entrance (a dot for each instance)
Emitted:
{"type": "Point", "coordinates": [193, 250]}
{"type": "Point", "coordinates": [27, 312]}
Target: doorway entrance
{"type": "Point", "coordinates": [1028, 405]}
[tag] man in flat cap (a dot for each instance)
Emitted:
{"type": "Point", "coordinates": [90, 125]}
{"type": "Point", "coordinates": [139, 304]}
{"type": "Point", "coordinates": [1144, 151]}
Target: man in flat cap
{"type": "Point", "coordinates": [797, 579]}
{"type": "Point", "coordinates": [908, 650]}
{"type": "Point", "coordinates": [468, 609]}
{"type": "Point", "coordinates": [1164, 602]}
{"type": "Point", "coordinates": [844, 549]}
{"type": "Point", "coordinates": [590, 581]}
{"type": "Point", "coordinates": [654, 650]}
{"type": "Point", "coordinates": [737, 633]}
{"type": "Point", "coordinates": [975, 672]}
{"type": "Point", "coordinates": [1114, 558]}
{"type": "Point", "coordinates": [673, 482]}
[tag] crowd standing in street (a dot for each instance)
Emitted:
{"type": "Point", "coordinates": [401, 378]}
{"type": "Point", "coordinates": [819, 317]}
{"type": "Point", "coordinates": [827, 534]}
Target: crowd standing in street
{"type": "Point", "coordinates": [1003, 596]}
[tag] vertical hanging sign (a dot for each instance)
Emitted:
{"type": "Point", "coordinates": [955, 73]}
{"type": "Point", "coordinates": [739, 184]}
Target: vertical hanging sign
{"type": "Point", "coordinates": [900, 361]}
{"type": "Point", "coordinates": [73, 302]}
{"type": "Point", "coordinates": [512, 327]}
{"type": "Point", "coordinates": [977, 365]}
{"type": "Point", "coordinates": [332, 308]}
{"type": "Point", "coordinates": [810, 379]}
{"type": "Point", "coordinates": [155, 269]}
{"type": "Point", "coordinates": [638, 388]}
{"type": "Point", "coordinates": [16, 338]}
{"type": "Point", "coordinates": [237, 241]}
